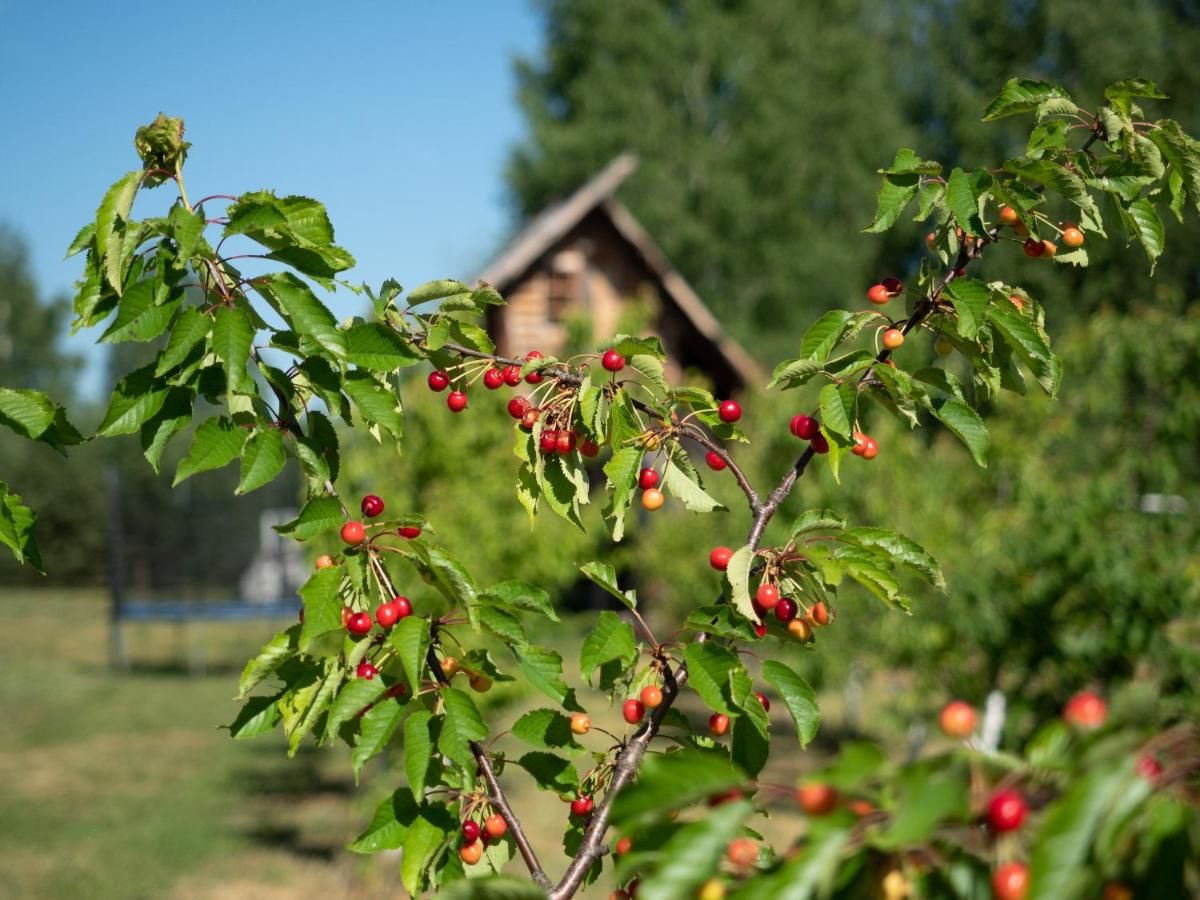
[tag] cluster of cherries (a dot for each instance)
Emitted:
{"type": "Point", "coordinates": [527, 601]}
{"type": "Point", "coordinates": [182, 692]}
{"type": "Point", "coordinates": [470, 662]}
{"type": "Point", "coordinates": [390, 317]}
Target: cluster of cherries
{"type": "Point", "coordinates": [476, 837]}
{"type": "Point", "coordinates": [634, 709]}
{"type": "Point", "coordinates": [767, 598]}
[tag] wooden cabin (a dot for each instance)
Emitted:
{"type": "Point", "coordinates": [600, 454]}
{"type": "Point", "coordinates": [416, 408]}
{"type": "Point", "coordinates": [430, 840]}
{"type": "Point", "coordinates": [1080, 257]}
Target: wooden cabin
{"type": "Point", "coordinates": [584, 269]}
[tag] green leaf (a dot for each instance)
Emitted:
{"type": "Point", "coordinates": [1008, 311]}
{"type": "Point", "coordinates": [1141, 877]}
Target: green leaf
{"type": "Point", "coordinates": [824, 334]}
{"type": "Point", "coordinates": [376, 403]}
{"type": "Point", "coordinates": [505, 626]}
{"type": "Point", "coordinates": [545, 728]}
{"type": "Point", "coordinates": [551, 772]}
{"type": "Point", "coordinates": [1028, 344]}
{"type": "Point", "coordinates": [925, 800]}
{"type": "Point", "coordinates": [33, 415]}
{"type": "Point", "coordinates": [610, 638]}
{"type": "Point", "coordinates": [792, 373]}
{"type": "Point", "coordinates": [621, 471]}
{"type": "Point", "coordinates": [970, 298]}
{"type": "Point", "coordinates": [322, 631]}
{"type": "Point", "coordinates": [175, 415]}
{"type": "Point", "coordinates": [1054, 176]}
{"type": "Point", "coordinates": [906, 162]}
{"type": "Point", "coordinates": [374, 346]}
{"type": "Point", "coordinates": [543, 669]}
{"type": "Point", "coordinates": [463, 724]}
{"type": "Point", "coordinates": [1182, 152]}
{"type": "Point", "coordinates": [436, 290]}
{"type": "Point", "coordinates": [296, 229]}
{"type": "Point", "coordinates": [605, 576]}
{"type": "Point", "coordinates": [839, 409]}
{"type": "Point", "coordinates": [258, 716]}
{"type": "Point", "coordinates": [353, 698]}
{"type": "Point", "coordinates": [262, 459]}
{"type": "Point", "coordinates": [502, 888]}
{"type": "Point", "coordinates": [426, 838]}
{"type": "Point", "coordinates": [1021, 95]}
{"type": "Point", "coordinates": [737, 573]}
{"type": "Point", "coordinates": [817, 520]}
{"type": "Point", "coordinates": [693, 853]}
{"type": "Point", "coordinates": [895, 194]}
{"type": "Point", "coordinates": [1142, 219]}
{"type": "Point", "coordinates": [749, 747]}
{"type": "Point", "coordinates": [1060, 847]}
{"type": "Point", "coordinates": [963, 193]}
{"type": "Point", "coordinates": [319, 515]}
{"type": "Point", "coordinates": [217, 443]}
{"type": "Point", "coordinates": [375, 730]}
{"type": "Point", "coordinates": [798, 696]}
{"type": "Point", "coordinates": [17, 523]}
{"type": "Point", "coordinates": [901, 550]}
{"type": "Point", "coordinates": [410, 638]}
{"type": "Point", "coordinates": [966, 424]}
{"type": "Point", "coordinates": [448, 576]}
{"type": "Point", "coordinates": [300, 308]}
{"type": "Point", "coordinates": [629, 346]}
{"type": "Point", "coordinates": [681, 484]}
{"type": "Point", "coordinates": [273, 654]}
{"type": "Point", "coordinates": [110, 221]}
{"type": "Point", "coordinates": [671, 781]}
{"type": "Point", "coordinates": [419, 741]}
{"type": "Point", "coordinates": [232, 336]}
{"type": "Point", "coordinates": [139, 315]}
{"type": "Point", "coordinates": [390, 823]}
{"type": "Point", "coordinates": [708, 674]}
{"type": "Point", "coordinates": [190, 328]}
{"type": "Point", "coordinates": [517, 595]}
{"type": "Point", "coordinates": [810, 873]}
{"type": "Point", "coordinates": [135, 400]}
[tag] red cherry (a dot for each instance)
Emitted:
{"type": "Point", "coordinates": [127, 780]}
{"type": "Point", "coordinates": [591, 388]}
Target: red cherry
{"type": "Point", "coordinates": [764, 700]}
{"type": "Point", "coordinates": [612, 361]}
{"type": "Point", "coordinates": [387, 614]}
{"type": "Point", "coordinates": [438, 381]}
{"type": "Point", "coordinates": [819, 614]}
{"type": "Point", "coordinates": [892, 285]}
{"type": "Point", "coordinates": [533, 377]}
{"type": "Point", "coordinates": [1008, 216]}
{"type": "Point", "coordinates": [1033, 248]}
{"type": "Point", "coordinates": [760, 630]}
{"type": "Point", "coordinates": [1086, 711]}
{"type": "Point", "coordinates": [647, 478]}
{"type": "Point", "coordinates": [870, 448]}
{"type": "Point", "coordinates": [457, 401]}
{"type": "Point", "coordinates": [651, 696]}
{"type": "Point", "coordinates": [530, 418]}
{"type": "Point", "coordinates": [816, 798]}
{"type": "Point", "coordinates": [511, 375]}
{"type": "Point", "coordinates": [470, 853]}
{"type": "Point", "coordinates": [347, 612]}
{"type": "Point", "coordinates": [549, 441]}
{"type": "Point", "coordinates": [714, 461]}
{"type": "Point", "coordinates": [495, 826]}
{"type": "Point", "coordinates": [325, 561]}
{"type": "Point", "coordinates": [581, 806]}
{"type": "Point", "coordinates": [358, 623]}
{"type": "Point", "coordinates": [624, 845]}
{"type": "Point", "coordinates": [729, 796]}
{"type": "Point", "coordinates": [1010, 881]}
{"type": "Point", "coordinates": [589, 448]}
{"type": "Point", "coordinates": [767, 596]}
{"type": "Point", "coordinates": [353, 532]}
{"type": "Point", "coordinates": [403, 607]}
{"type": "Point", "coordinates": [860, 443]}
{"type": "Point", "coordinates": [396, 690]}
{"type": "Point", "coordinates": [878, 294]}
{"type": "Point", "coordinates": [1006, 811]}
{"type": "Point", "coordinates": [729, 411]}
{"type": "Point", "coordinates": [957, 719]}
{"type": "Point", "coordinates": [372, 506]}
{"type": "Point", "coordinates": [1148, 767]}
{"type": "Point", "coordinates": [517, 407]}
{"type": "Point", "coordinates": [819, 444]}
{"type": "Point", "coordinates": [366, 670]}
{"type": "Point", "coordinates": [493, 379]}
{"type": "Point", "coordinates": [893, 338]}
{"type": "Point", "coordinates": [718, 724]}
{"type": "Point", "coordinates": [470, 831]}
{"type": "Point", "coordinates": [805, 427]}
{"type": "Point", "coordinates": [409, 531]}
{"type": "Point", "coordinates": [785, 609]}
{"type": "Point", "coordinates": [719, 558]}
{"type": "Point", "coordinates": [633, 711]}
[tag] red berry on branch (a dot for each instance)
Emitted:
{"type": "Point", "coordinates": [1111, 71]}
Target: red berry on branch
{"type": "Point", "coordinates": [1008, 216]}
{"type": "Point", "coordinates": [457, 401]}
{"type": "Point", "coordinates": [1148, 767]}
{"type": "Point", "coordinates": [324, 561]}
{"type": "Point", "coordinates": [396, 690]}
{"type": "Point", "coordinates": [816, 798]}
{"type": "Point", "coordinates": [870, 448]}
{"type": "Point", "coordinates": [1072, 236]}
{"type": "Point", "coordinates": [819, 614]}
{"type": "Point", "coordinates": [511, 375]}
{"type": "Point", "coordinates": [1033, 248]}
{"type": "Point", "coordinates": [878, 294]}
{"type": "Point", "coordinates": [1086, 711]}
{"type": "Point", "coordinates": [471, 853]}
{"type": "Point", "coordinates": [549, 441]}
{"type": "Point", "coordinates": [589, 448]}
{"type": "Point", "coordinates": [767, 595]}
{"type": "Point", "coordinates": [438, 381]}
{"type": "Point", "coordinates": [372, 506]}
{"type": "Point", "coordinates": [653, 499]}
{"type": "Point", "coordinates": [470, 831]}
{"type": "Point", "coordinates": [623, 846]}
{"type": "Point", "coordinates": [957, 719]}
{"type": "Point", "coordinates": [893, 338]}
{"type": "Point", "coordinates": [860, 443]}
{"type": "Point", "coordinates": [651, 696]}
{"type": "Point", "coordinates": [892, 285]}
{"type": "Point", "coordinates": [713, 461]}
{"type": "Point", "coordinates": [387, 615]}
{"type": "Point", "coordinates": [565, 442]}
{"type": "Point", "coordinates": [1006, 811]}
{"type": "Point", "coordinates": [409, 531]}
{"type": "Point", "coordinates": [805, 427]}
{"type": "Point", "coordinates": [820, 444]}
{"type": "Point", "coordinates": [719, 558]}
{"type": "Point", "coordinates": [403, 607]}
{"type": "Point", "coordinates": [647, 478]}
{"type": "Point", "coordinates": [763, 699]}
{"type": "Point", "coordinates": [530, 418]}
{"type": "Point", "coordinates": [718, 724]}
{"type": "Point", "coordinates": [493, 379]}
{"type": "Point", "coordinates": [1049, 249]}
{"type": "Point", "coordinates": [533, 377]}
{"type": "Point", "coordinates": [581, 806]}
{"type": "Point", "coordinates": [760, 630]}
{"type": "Point", "coordinates": [517, 407]}
{"type": "Point", "coordinates": [366, 670]}
{"type": "Point", "coordinates": [353, 532]}
{"type": "Point", "coordinates": [358, 623]}
{"type": "Point", "coordinates": [729, 411]}
{"type": "Point", "coordinates": [612, 361]}
{"type": "Point", "coordinates": [1010, 881]}
{"type": "Point", "coordinates": [633, 711]}
{"type": "Point", "coordinates": [495, 826]}
{"type": "Point", "coordinates": [785, 609]}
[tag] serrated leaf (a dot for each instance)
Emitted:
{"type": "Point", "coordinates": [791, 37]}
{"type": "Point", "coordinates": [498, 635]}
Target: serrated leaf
{"type": "Point", "coordinates": [135, 400]}
{"type": "Point", "coordinates": [1021, 95]}
{"type": "Point", "coordinates": [258, 716]}
{"type": "Point", "coordinates": [963, 193]}
{"type": "Point", "coordinates": [839, 409]}
{"type": "Point", "coordinates": [621, 471]}
{"type": "Point", "coordinates": [436, 290]}
{"type": "Point", "coordinates": [262, 459]}
{"type": "Point", "coordinates": [411, 638]}
{"type": "Point", "coordinates": [798, 696]}
{"type": "Point", "coordinates": [671, 781]}
{"type": "Point", "coordinates": [376, 403]}
{"type": "Point", "coordinates": [426, 838]}
{"type": "Point", "coordinates": [708, 674]}
{"type": "Point", "coordinates": [418, 749]}
{"type": "Point", "coordinates": [693, 854]}
{"type": "Point", "coordinates": [519, 595]}
{"type": "Point", "coordinates": [139, 316]}
{"type": "Point", "coordinates": [737, 573]}
{"type": "Point", "coordinates": [355, 696]}
{"type": "Point", "coordinates": [318, 515]}
{"type": "Point", "coordinates": [902, 551]}
{"type": "Point", "coordinates": [966, 424]}
{"type": "Point", "coordinates": [295, 229]}
{"type": "Point", "coordinates": [1028, 344]}
{"type": "Point", "coordinates": [894, 195]}
{"type": "Point", "coordinates": [970, 298]}
{"type": "Point", "coordinates": [321, 632]}
{"type": "Point", "coordinates": [190, 328]}
{"type": "Point", "coordinates": [545, 728]}
{"type": "Point", "coordinates": [824, 334]}
{"type": "Point", "coordinates": [175, 415]}
{"type": "Point", "coordinates": [681, 484]}
{"type": "Point", "coordinates": [1148, 228]}
{"type": "Point", "coordinates": [390, 823]}
{"type": "Point", "coordinates": [817, 520]}
{"type": "Point", "coordinates": [605, 576]}
{"type": "Point", "coordinates": [609, 638]}
{"type": "Point", "coordinates": [374, 346]}
{"type": "Point", "coordinates": [270, 657]}
{"type": "Point", "coordinates": [301, 309]}
{"type": "Point", "coordinates": [543, 670]}
{"type": "Point", "coordinates": [551, 772]}
{"type": "Point", "coordinates": [110, 217]}
{"type": "Point", "coordinates": [462, 725]}
{"type": "Point", "coordinates": [217, 443]}
{"type": "Point", "coordinates": [232, 336]}
{"type": "Point", "coordinates": [17, 523]}
{"type": "Point", "coordinates": [375, 730]}
{"type": "Point", "coordinates": [793, 373]}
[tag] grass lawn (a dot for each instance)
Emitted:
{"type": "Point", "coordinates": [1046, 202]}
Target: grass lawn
{"type": "Point", "coordinates": [123, 786]}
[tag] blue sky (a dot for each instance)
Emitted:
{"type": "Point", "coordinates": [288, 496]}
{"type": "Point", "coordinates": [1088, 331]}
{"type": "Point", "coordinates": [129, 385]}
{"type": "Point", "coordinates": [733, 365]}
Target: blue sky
{"type": "Point", "coordinates": [399, 116]}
